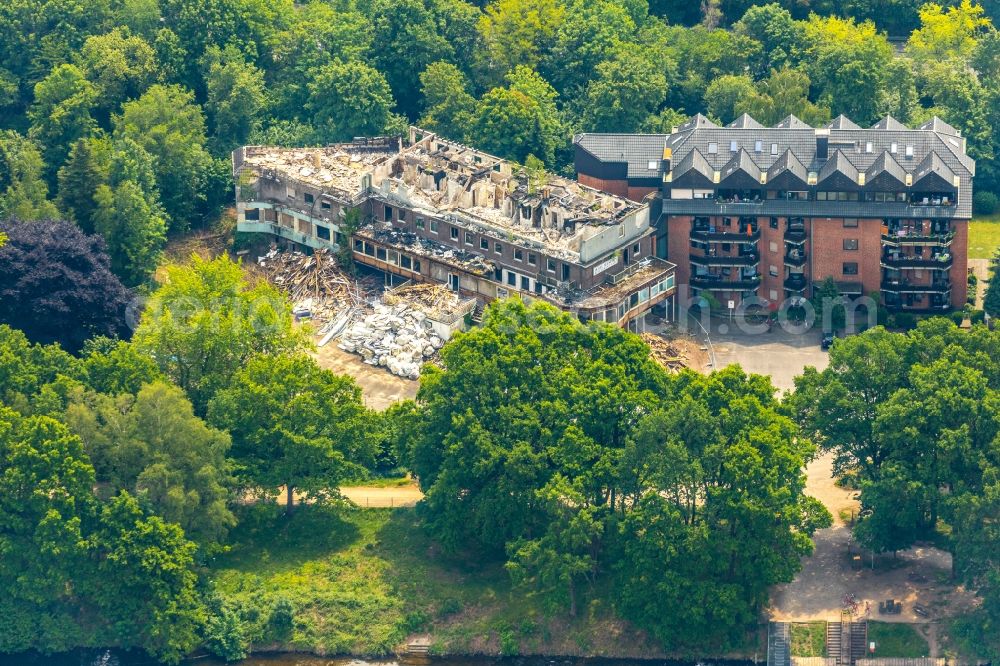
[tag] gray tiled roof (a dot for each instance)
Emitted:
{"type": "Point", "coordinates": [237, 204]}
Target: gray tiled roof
{"type": "Point", "coordinates": [787, 172]}
{"type": "Point", "coordinates": [740, 172]}
{"type": "Point", "coordinates": [842, 122]}
{"type": "Point", "coordinates": [933, 172]}
{"type": "Point", "coordinates": [861, 147]}
{"type": "Point", "coordinates": [745, 121]}
{"type": "Point", "coordinates": [885, 174]}
{"type": "Point", "coordinates": [638, 150]}
{"type": "Point", "coordinates": [791, 122]}
{"type": "Point", "coordinates": [694, 171]}
{"type": "Point", "coordinates": [838, 173]}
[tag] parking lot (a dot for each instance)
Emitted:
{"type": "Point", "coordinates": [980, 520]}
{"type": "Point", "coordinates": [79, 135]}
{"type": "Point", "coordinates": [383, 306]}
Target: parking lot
{"type": "Point", "coordinates": [779, 353]}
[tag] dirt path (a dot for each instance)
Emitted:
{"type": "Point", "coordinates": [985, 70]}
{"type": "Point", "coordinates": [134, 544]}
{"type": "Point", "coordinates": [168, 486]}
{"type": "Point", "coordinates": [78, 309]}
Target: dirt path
{"type": "Point", "coordinates": [981, 267]}
{"type": "Point", "coordinates": [918, 575]}
{"type": "Point", "coordinates": [371, 497]}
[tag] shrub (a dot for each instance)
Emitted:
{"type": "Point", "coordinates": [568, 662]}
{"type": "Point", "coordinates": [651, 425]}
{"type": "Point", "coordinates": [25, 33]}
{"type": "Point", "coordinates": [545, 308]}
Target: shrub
{"type": "Point", "coordinates": [281, 620]}
{"type": "Point", "coordinates": [904, 321]}
{"type": "Point", "coordinates": [958, 316]}
{"type": "Point", "coordinates": [978, 316]}
{"type": "Point", "coordinates": [985, 203]}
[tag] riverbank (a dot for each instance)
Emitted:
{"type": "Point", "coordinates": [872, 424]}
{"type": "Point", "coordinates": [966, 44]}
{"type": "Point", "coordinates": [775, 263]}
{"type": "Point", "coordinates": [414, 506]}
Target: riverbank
{"type": "Point", "coordinates": [366, 581]}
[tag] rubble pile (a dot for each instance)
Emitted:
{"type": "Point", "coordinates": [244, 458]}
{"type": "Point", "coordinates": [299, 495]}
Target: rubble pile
{"type": "Point", "coordinates": [397, 337]}
{"type": "Point", "coordinates": [428, 298]}
{"type": "Point", "coordinates": [318, 288]}
{"type": "Point", "coordinates": [664, 352]}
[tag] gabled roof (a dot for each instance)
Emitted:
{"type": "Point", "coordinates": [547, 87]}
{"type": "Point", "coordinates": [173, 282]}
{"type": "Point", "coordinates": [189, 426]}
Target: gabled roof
{"type": "Point", "coordinates": [791, 122]}
{"type": "Point", "coordinates": [889, 123]}
{"type": "Point", "coordinates": [745, 121]}
{"type": "Point", "coordinates": [740, 172]}
{"type": "Point", "coordinates": [696, 121]}
{"type": "Point", "coordinates": [885, 174]}
{"type": "Point", "coordinates": [787, 173]}
{"type": "Point", "coordinates": [935, 124]}
{"type": "Point", "coordinates": [693, 171]}
{"type": "Point", "coordinates": [842, 122]}
{"type": "Point", "coordinates": [933, 172]}
{"type": "Point", "coordinates": [634, 150]}
{"type": "Point", "coordinates": [838, 173]}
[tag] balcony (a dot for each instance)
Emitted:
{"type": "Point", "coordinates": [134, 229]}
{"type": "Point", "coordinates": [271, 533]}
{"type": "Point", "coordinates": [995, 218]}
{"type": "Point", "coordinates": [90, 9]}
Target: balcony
{"type": "Point", "coordinates": [796, 258]}
{"type": "Point", "coordinates": [723, 283]}
{"type": "Point", "coordinates": [795, 282]}
{"type": "Point", "coordinates": [941, 262]}
{"type": "Point", "coordinates": [749, 259]}
{"type": "Point", "coordinates": [905, 287]}
{"type": "Point", "coordinates": [715, 235]}
{"type": "Point", "coordinates": [909, 240]}
{"type": "Point", "coordinates": [795, 235]}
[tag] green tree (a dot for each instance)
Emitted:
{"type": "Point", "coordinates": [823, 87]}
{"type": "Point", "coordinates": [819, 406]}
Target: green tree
{"type": "Point", "coordinates": [120, 65]}
{"type": "Point", "coordinates": [140, 576]}
{"type": "Point", "coordinates": [23, 193]}
{"type": "Point", "coordinates": [349, 99]}
{"type": "Point", "coordinates": [625, 92]}
{"type": "Point", "coordinates": [947, 32]}
{"type": "Point", "coordinates": [45, 498]}
{"type": "Point", "coordinates": [207, 321]}
{"type": "Point", "coordinates": [779, 35]}
{"type": "Point", "coordinates": [153, 446]}
{"type": "Point", "coordinates": [86, 169]}
{"type": "Point", "coordinates": [785, 92]}
{"type": "Point", "coordinates": [136, 233]}
{"type": "Point", "coordinates": [448, 106]}
{"type": "Point", "coordinates": [516, 33]}
{"type": "Point", "coordinates": [60, 114]}
{"type": "Point", "coordinates": [829, 306]}
{"type": "Point", "coordinates": [115, 366]}
{"type": "Point", "coordinates": [236, 98]}
{"type": "Point", "coordinates": [589, 34]}
{"type": "Point", "coordinates": [726, 96]}
{"type": "Point", "coordinates": [168, 124]}
{"type": "Point", "coordinates": [991, 299]}
{"type": "Point", "coordinates": [519, 120]}
{"type": "Point", "coordinates": [295, 425]}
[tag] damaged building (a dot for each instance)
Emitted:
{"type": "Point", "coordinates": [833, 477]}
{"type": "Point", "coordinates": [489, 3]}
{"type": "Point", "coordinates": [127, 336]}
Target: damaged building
{"type": "Point", "coordinates": [432, 210]}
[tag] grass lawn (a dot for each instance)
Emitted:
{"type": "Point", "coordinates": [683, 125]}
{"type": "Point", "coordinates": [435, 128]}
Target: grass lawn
{"type": "Point", "coordinates": [984, 237]}
{"type": "Point", "coordinates": [895, 639]}
{"type": "Point", "coordinates": [809, 639]}
{"type": "Point", "coordinates": [362, 580]}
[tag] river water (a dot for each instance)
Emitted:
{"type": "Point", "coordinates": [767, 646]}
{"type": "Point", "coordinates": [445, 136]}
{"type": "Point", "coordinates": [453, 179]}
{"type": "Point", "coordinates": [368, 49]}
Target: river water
{"type": "Point", "coordinates": [114, 658]}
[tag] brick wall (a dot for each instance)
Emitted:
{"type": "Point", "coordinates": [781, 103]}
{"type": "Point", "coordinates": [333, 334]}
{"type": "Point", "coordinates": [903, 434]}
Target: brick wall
{"type": "Point", "coordinates": [768, 257]}
{"type": "Point", "coordinates": [617, 187]}
{"type": "Point", "coordinates": [679, 246]}
{"type": "Point", "coordinates": [827, 255]}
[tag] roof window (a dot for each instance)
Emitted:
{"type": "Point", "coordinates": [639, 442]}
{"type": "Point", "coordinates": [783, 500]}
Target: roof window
{"type": "Point", "coordinates": [909, 151]}
{"type": "Point", "coordinates": [774, 149]}
{"type": "Point", "coordinates": [713, 148]}
{"type": "Point", "coordinates": [651, 165]}
{"type": "Point", "coordinates": [893, 148]}
{"type": "Point", "coordinates": [868, 147]}
{"type": "Point", "coordinates": [758, 146]}
{"type": "Point", "coordinates": [733, 146]}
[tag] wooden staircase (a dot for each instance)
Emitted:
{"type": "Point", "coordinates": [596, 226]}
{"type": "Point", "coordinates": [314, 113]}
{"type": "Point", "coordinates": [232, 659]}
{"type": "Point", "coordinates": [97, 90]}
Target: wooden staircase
{"type": "Point", "coordinates": [779, 644]}
{"type": "Point", "coordinates": [846, 641]}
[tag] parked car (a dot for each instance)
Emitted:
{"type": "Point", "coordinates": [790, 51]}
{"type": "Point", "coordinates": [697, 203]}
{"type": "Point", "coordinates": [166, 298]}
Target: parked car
{"type": "Point", "coordinates": [826, 342]}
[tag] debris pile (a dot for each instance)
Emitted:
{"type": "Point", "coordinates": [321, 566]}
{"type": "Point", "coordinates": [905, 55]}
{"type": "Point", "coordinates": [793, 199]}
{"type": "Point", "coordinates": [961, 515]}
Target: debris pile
{"type": "Point", "coordinates": [429, 298]}
{"type": "Point", "coordinates": [318, 288]}
{"type": "Point", "coordinates": [397, 337]}
{"type": "Point", "coordinates": [664, 352]}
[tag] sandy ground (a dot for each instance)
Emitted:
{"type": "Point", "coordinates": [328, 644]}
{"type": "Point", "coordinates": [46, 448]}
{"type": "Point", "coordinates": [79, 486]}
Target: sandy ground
{"type": "Point", "coordinates": [918, 575]}
{"type": "Point", "coordinates": [981, 267]}
{"type": "Point", "coordinates": [368, 497]}
{"type": "Point", "coordinates": [380, 387]}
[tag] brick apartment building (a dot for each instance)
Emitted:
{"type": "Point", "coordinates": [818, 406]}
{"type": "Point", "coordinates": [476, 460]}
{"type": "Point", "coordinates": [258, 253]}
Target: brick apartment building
{"type": "Point", "coordinates": [748, 210]}
{"type": "Point", "coordinates": [432, 210]}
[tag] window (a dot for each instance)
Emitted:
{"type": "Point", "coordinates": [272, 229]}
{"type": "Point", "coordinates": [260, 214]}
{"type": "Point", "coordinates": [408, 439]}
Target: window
{"type": "Point", "coordinates": [773, 246]}
{"type": "Point", "coordinates": [893, 148]}
{"type": "Point", "coordinates": [484, 244]}
{"type": "Point", "coordinates": [525, 283]}
{"type": "Point", "coordinates": [773, 294]}
{"type": "Point", "coordinates": [518, 254]}
{"type": "Point", "coordinates": [406, 261]}
{"type": "Point", "coordinates": [469, 240]}
{"type": "Point", "coordinates": [323, 232]}
{"type": "Point", "coordinates": [550, 265]}
{"type": "Point", "coordinates": [290, 191]}
{"type": "Point", "coordinates": [498, 248]}
{"type": "Point", "coordinates": [733, 146]}
{"type": "Point", "coordinates": [401, 214]}
{"type": "Point", "coordinates": [565, 272]}
{"type": "Point", "coordinates": [713, 148]}
{"type": "Point", "coordinates": [635, 249]}
{"type": "Point", "coordinates": [621, 231]}
{"type": "Point", "coordinates": [868, 147]}
{"type": "Point", "coordinates": [512, 279]}
{"type": "Point", "coordinates": [388, 213]}
{"type": "Point", "coordinates": [772, 271]}
{"type": "Point", "coordinates": [651, 165]}
{"type": "Point", "coordinates": [850, 222]}
{"type": "Point", "coordinates": [758, 146]}
{"type": "Point", "coordinates": [909, 151]}
{"type": "Point", "coordinates": [774, 149]}
{"type": "Point", "coordinates": [850, 268]}
{"type": "Point", "coordinates": [325, 205]}
{"type": "Point", "coordinates": [850, 243]}
{"type": "Point", "coordinates": [454, 233]}
{"type": "Point", "coordinates": [773, 223]}
{"type": "Point", "coordinates": [532, 259]}
{"type": "Point", "coordinates": [434, 226]}
{"type": "Point", "coordinates": [252, 214]}
{"type": "Point", "coordinates": [308, 198]}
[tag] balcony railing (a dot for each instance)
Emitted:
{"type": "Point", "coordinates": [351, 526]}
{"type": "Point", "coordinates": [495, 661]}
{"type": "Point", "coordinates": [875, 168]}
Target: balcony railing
{"type": "Point", "coordinates": [942, 262]}
{"type": "Point", "coordinates": [795, 235]}
{"type": "Point", "coordinates": [904, 287]}
{"type": "Point", "coordinates": [796, 259]}
{"type": "Point", "coordinates": [751, 259]}
{"type": "Point", "coordinates": [722, 283]}
{"type": "Point", "coordinates": [933, 240]}
{"type": "Point", "coordinates": [716, 235]}
{"type": "Point", "coordinates": [795, 282]}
